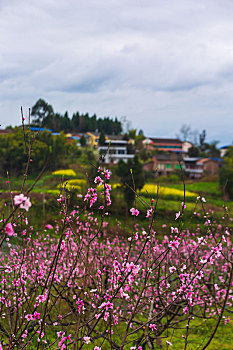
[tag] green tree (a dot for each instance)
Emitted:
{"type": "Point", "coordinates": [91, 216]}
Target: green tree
{"type": "Point", "coordinates": [213, 151]}
{"type": "Point", "coordinates": [194, 151]}
{"type": "Point", "coordinates": [41, 110]}
{"type": "Point", "coordinates": [226, 173]}
{"type": "Point", "coordinates": [66, 123]}
{"type": "Point", "coordinates": [102, 139]}
{"type": "Point", "coordinates": [202, 138]}
{"type": "Point", "coordinates": [132, 133]}
{"type": "Point", "coordinates": [78, 123]}
{"type": "Point", "coordinates": [83, 141]}
{"type": "Point", "coordinates": [75, 122]}
{"type": "Point", "coordinates": [124, 172]}
{"type": "Point", "coordinates": [140, 133]}
{"type": "Point", "coordinates": [13, 156]}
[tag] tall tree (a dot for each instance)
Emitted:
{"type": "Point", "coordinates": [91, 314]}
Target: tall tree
{"type": "Point", "coordinates": [41, 110]}
{"type": "Point", "coordinates": [75, 122]}
{"type": "Point", "coordinates": [202, 138]}
{"type": "Point", "coordinates": [78, 123]}
{"type": "Point", "coordinates": [83, 141]}
{"type": "Point", "coordinates": [102, 139]}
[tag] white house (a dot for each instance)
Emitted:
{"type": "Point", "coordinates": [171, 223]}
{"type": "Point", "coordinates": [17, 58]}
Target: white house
{"type": "Point", "coordinates": [114, 150]}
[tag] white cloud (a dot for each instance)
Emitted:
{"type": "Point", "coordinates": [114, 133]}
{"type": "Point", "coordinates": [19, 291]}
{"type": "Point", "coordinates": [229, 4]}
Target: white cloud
{"type": "Point", "coordinates": [160, 63]}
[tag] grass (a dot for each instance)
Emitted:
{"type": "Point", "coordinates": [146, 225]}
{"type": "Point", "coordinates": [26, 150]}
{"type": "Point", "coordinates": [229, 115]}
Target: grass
{"type": "Point", "coordinates": [169, 202]}
{"type": "Point", "coordinates": [199, 333]}
{"type": "Point", "coordinates": [203, 188]}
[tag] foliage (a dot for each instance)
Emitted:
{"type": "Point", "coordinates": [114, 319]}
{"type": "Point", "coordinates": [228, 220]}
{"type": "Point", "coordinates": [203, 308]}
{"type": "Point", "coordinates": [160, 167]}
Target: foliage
{"type": "Point", "coordinates": [202, 138]}
{"type": "Point", "coordinates": [200, 147]}
{"type": "Point", "coordinates": [226, 173]}
{"type": "Point", "coordinates": [14, 157]}
{"type": "Point", "coordinates": [41, 110]}
{"type": "Point", "coordinates": [102, 139]}
{"type": "Point", "coordinates": [78, 122]}
{"type": "Point", "coordinates": [173, 178]}
{"type": "Point", "coordinates": [132, 134]}
{"type": "Point", "coordinates": [213, 151]}
{"type": "Point", "coordinates": [83, 141]}
{"type": "Point", "coordinates": [138, 138]}
{"type": "Point", "coordinates": [194, 151]}
{"type": "Point", "coordinates": [144, 155]}
{"type": "Point", "coordinates": [131, 177]}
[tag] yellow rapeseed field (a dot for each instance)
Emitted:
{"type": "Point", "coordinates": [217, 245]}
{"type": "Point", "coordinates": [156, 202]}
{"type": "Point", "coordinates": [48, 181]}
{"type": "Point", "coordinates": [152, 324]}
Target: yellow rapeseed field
{"type": "Point", "coordinates": [64, 172]}
{"type": "Point", "coordinates": [74, 184]}
{"type": "Point", "coordinates": [166, 191]}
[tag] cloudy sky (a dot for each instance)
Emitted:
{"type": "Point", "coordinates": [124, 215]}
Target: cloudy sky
{"type": "Point", "coordinates": [161, 64]}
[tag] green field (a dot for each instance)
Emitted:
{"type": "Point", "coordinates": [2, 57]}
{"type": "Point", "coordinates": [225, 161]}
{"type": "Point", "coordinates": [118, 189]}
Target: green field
{"type": "Point", "coordinates": [48, 187]}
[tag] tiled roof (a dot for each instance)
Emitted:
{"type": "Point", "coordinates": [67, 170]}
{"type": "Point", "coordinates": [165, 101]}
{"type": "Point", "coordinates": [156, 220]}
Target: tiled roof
{"type": "Point", "coordinates": [165, 140]}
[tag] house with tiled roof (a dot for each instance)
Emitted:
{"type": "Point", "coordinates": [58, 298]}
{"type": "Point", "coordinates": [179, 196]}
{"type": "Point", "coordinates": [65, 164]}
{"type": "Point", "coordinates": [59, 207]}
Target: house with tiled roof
{"type": "Point", "coordinates": [210, 166]}
{"type": "Point", "coordinates": [164, 163]}
{"type": "Point", "coordinates": [166, 145]}
{"type": "Point", "coordinates": [196, 167]}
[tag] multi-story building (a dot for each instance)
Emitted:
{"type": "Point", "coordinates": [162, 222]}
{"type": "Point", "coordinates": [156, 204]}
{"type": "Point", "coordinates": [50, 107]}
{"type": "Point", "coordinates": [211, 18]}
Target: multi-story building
{"type": "Point", "coordinates": [196, 167]}
{"type": "Point", "coordinates": [167, 145]}
{"type": "Point", "coordinates": [114, 150]}
{"type": "Point", "coordinates": [192, 168]}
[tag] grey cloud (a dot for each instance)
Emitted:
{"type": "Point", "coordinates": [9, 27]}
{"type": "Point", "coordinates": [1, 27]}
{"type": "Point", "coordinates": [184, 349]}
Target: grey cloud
{"type": "Point", "coordinates": [90, 85]}
{"type": "Point", "coordinates": [164, 63]}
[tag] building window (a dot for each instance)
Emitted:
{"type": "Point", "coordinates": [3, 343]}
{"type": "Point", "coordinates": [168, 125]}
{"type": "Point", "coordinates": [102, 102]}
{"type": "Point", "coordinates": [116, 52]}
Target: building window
{"type": "Point", "coordinates": [169, 166]}
{"type": "Point", "coordinates": [160, 166]}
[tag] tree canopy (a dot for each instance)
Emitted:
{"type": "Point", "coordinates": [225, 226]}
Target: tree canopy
{"type": "Point", "coordinates": [42, 111]}
{"type": "Point", "coordinates": [13, 155]}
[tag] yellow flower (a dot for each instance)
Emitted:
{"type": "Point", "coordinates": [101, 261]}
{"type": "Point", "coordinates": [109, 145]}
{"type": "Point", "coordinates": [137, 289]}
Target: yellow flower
{"type": "Point", "coordinates": [64, 172]}
{"type": "Point", "coordinates": [166, 191]}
